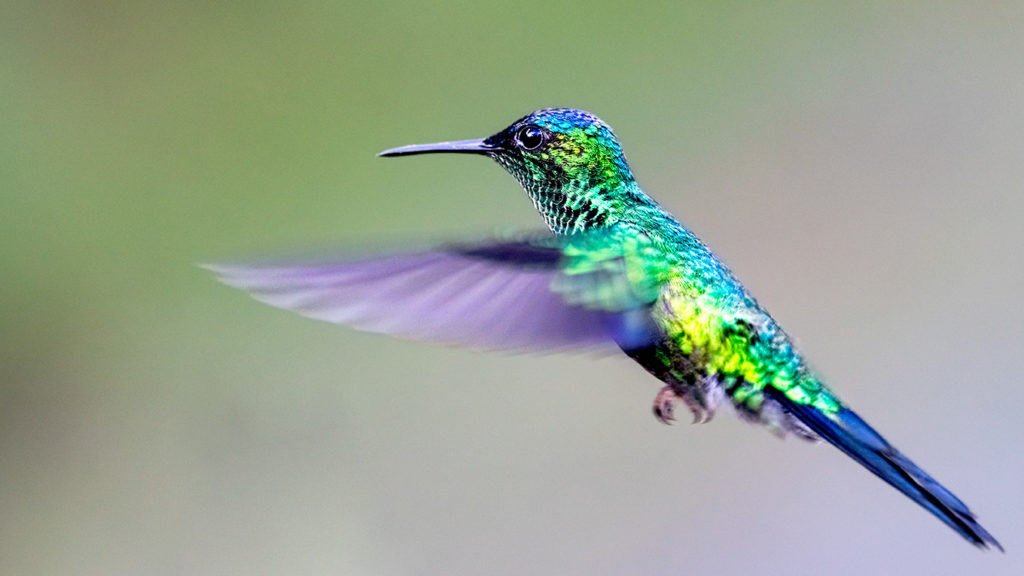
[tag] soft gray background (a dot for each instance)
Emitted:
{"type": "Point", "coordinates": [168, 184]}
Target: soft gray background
{"type": "Point", "coordinates": [860, 167]}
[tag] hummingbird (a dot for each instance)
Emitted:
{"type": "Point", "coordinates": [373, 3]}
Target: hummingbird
{"type": "Point", "coordinates": [614, 271]}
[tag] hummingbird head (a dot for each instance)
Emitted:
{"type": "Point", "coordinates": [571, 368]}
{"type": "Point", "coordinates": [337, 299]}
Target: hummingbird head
{"type": "Point", "coordinates": [568, 161]}
{"type": "Point", "coordinates": [559, 147]}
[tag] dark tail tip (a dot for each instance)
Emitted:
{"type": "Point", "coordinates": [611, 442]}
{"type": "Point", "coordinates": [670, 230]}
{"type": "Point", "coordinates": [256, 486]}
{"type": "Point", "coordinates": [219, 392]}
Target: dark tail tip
{"type": "Point", "coordinates": [848, 432]}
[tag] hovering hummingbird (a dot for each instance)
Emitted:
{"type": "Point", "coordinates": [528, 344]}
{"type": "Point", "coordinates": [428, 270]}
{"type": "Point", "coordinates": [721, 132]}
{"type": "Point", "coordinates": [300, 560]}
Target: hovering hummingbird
{"type": "Point", "coordinates": [616, 270]}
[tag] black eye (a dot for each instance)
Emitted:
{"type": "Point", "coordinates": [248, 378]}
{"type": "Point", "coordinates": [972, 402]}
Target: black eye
{"type": "Point", "coordinates": [530, 137]}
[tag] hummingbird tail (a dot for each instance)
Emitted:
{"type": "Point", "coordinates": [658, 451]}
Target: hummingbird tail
{"type": "Point", "coordinates": [851, 434]}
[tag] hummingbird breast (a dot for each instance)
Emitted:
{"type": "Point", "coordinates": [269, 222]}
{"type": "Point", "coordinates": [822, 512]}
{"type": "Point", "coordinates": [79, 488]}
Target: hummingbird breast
{"type": "Point", "coordinates": [714, 348]}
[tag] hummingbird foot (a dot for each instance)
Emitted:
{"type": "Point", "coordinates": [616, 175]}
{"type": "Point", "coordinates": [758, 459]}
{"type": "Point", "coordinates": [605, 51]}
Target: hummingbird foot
{"type": "Point", "coordinates": [701, 402]}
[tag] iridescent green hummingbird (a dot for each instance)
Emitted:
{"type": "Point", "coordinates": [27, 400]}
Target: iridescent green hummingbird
{"type": "Point", "coordinates": [616, 270]}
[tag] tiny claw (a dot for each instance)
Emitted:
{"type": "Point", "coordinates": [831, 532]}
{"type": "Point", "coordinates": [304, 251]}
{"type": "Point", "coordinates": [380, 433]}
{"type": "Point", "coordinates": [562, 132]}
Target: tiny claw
{"type": "Point", "coordinates": [701, 414]}
{"type": "Point", "coordinates": [665, 405]}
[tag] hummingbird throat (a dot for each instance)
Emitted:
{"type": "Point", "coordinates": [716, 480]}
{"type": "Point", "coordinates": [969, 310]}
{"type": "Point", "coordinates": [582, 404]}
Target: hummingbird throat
{"type": "Point", "coordinates": [570, 204]}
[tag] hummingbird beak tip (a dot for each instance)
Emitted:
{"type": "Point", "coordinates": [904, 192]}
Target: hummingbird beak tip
{"type": "Point", "coordinates": [389, 152]}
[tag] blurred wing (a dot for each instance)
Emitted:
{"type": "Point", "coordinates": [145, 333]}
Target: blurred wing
{"type": "Point", "coordinates": [494, 295]}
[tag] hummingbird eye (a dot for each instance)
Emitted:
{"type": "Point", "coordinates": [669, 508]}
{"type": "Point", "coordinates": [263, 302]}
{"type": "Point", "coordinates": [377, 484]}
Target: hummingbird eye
{"type": "Point", "coordinates": [530, 137]}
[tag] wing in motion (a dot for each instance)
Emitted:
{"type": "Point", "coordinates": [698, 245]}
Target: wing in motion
{"type": "Point", "coordinates": [537, 293]}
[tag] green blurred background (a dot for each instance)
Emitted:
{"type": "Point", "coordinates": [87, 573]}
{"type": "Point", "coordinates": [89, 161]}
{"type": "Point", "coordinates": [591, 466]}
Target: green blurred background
{"type": "Point", "coordinates": [858, 164]}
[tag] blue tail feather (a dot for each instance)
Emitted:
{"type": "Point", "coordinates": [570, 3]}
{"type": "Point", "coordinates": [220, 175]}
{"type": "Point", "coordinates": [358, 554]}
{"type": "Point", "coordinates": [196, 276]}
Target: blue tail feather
{"type": "Point", "coordinates": [851, 434]}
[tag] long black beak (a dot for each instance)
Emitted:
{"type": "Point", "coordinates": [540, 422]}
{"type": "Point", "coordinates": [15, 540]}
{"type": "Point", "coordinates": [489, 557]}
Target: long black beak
{"type": "Point", "coordinates": [457, 147]}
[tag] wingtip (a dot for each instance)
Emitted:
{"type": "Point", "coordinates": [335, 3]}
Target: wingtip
{"type": "Point", "coordinates": [222, 273]}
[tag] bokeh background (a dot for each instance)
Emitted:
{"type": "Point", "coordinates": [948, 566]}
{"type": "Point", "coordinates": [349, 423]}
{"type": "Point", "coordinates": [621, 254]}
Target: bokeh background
{"type": "Point", "coordinates": [860, 165]}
